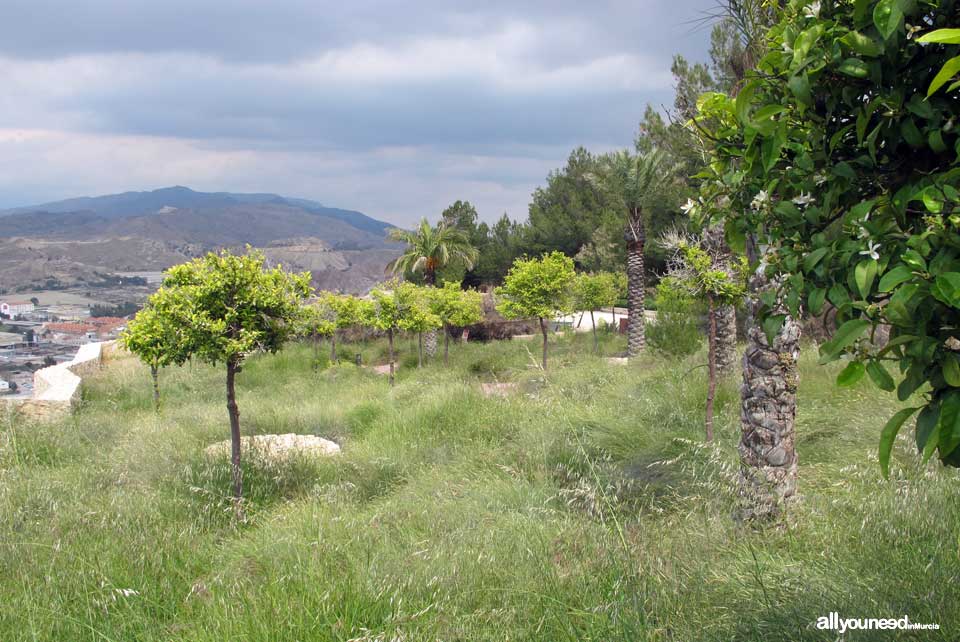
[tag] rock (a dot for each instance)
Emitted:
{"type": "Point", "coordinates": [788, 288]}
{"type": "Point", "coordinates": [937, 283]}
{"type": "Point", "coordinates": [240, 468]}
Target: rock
{"type": "Point", "coordinates": [618, 361]}
{"type": "Point", "coordinates": [276, 447]}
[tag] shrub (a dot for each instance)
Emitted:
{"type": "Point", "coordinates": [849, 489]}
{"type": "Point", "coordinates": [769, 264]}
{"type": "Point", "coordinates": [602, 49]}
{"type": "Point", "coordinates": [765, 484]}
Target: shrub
{"type": "Point", "coordinates": [676, 331]}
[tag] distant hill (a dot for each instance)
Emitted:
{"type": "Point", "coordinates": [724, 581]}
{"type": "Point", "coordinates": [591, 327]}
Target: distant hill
{"type": "Point", "coordinates": [78, 240]}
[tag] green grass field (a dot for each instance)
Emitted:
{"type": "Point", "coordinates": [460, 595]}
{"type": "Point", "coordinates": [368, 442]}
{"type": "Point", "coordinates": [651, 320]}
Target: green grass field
{"type": "Point", "coordinates": [582, 507]}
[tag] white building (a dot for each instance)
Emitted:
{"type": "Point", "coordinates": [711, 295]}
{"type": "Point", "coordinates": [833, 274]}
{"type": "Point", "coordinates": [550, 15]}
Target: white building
{"type": "Point", "coordinates": [14, 309]}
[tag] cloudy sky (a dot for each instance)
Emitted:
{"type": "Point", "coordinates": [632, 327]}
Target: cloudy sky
{"type": "Point", "coordinates": [392, 108]}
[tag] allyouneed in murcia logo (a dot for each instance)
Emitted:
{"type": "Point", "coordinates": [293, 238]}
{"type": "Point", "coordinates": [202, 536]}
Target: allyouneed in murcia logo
{"type": "Point", "coordinates": [833, 622]}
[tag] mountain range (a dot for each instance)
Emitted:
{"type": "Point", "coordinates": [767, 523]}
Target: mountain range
{"type": "Point", "coordinates": [84, 241]}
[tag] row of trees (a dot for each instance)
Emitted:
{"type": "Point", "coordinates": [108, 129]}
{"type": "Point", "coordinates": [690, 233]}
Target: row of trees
{"type": "Point", "coordinates": [223, 307]}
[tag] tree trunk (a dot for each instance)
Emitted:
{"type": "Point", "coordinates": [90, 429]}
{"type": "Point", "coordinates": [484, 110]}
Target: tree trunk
{"type": "Point", "coordinates": [390, 341]}
{"type": "Point", "coordinates": [446, 345]}
{"type": "Point", "coordinates": [768, 410]}
{"type": "Point", "coordinates": [333, 347]}
{"type": "Point", "coordinates": [596, 341]}
{"type": "Point", "coordinates": [156, 388]}
{"type": "Point", "coordinates": [543, 330]}
{"type": "Point", "coordinates": [419, 350]}
{"type": "Point", "coordinates": [636, 280]}
{"type": "Point", "coordinates": [711, 366]}
{"type": "Point", "coordinates": [430, 342]}
{"type": "Point", "coordinates": [234, 411]}
{"type": "Point", "coordinates": [725, 316]}
{"type": "Point", "coordinates": [316, 351]}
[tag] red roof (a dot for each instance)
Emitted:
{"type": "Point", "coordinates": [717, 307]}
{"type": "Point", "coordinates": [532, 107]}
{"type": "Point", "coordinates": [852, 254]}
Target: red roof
{"type": "Point", "coordinates": [69, 328]}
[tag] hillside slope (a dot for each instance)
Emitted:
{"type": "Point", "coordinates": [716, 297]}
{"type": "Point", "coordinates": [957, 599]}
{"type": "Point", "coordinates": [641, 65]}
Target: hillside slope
{"type": "Point", "coordinates": [80, 240]}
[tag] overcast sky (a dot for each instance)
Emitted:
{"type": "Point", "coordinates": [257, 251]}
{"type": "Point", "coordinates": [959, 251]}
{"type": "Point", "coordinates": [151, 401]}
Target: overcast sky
{"type": "Point", "coordinates": [392, 108]}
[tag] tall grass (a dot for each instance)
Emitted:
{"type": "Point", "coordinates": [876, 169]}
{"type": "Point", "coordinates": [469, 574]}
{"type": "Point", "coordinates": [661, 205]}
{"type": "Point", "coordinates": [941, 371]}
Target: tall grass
{"type": "Point", "coordinates": [584, 506]}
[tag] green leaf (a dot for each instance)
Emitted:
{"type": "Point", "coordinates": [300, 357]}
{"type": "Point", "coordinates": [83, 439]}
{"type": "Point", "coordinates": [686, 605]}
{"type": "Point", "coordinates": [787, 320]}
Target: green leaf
{"type": "Point", "coordinates": [810, 260]}
{"type": "Point", "coordinates": [932, 201]}
{"type": "Point", "coordinates": [864, 273]}
{"type": "Point", "coordinates": [843, 337]}
{"type": "Point", "coordinates": [861, 44]}
{"type": "Point", "coordinates": [772, 325]}
{"type": "Point", "coordinates": [946, 288]}
{"type": "Point", "coordinates": [851, 374]}
{"type": "Point", "coordinates": [815, 300]}
{"type": "Point", "coordinates": [854, 67]}
{"type": "Point", "coordinates": [889, 434]}
{"type": "Point", "coordinates": [928, 430]}
{"type": "Point", "coordinates": [880, 376]}
{"type": "Point", "coordinates": [948, 71]}
{"type": "Point", "coordinates": [943, 36]}
{"type": "Point", "coordinates": [887, 16]}
{"type": "Point", "coordinates": [799, 85]}
{"type": "Point", "coordinates": [949, 424]}
{"type": "Point", "coordinates": [742, 104]}
{"type": "Point", "coordinates": [935, 140]}
{"type": "Point", "coordinates": [951, 370]}
{"type": "Point", "coordinates": [894, 277]}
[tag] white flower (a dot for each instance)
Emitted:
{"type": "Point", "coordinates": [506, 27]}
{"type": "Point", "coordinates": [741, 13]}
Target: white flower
{"type": "Point", "coordinates": [863, 233]}
{"type": "Point", "coordinates": [912, 30]}
{"type": "Point", "coordinates": [761, 199]}
{"type": "Point", "coordinates": [803, 200]}
{"type": "Point", "coordinates": [871, 251]}
{"type": "Point", "coordinates": [786, 47]}
{"type": "Point", "coordinates": [820, 179]}
{"type": "Point", "coordinates": [689, 206]}
{"type": "Point", "coordinates": [812, 10]}
{"type": "Point", "coordinates": [952, 343]}
{"type": "Point", "coordinates": [762, 266]}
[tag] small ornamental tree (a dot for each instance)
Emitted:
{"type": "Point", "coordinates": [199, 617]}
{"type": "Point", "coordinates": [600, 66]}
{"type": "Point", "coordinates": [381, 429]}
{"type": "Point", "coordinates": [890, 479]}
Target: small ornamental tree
{"type": "Point", "coordinates": [593, 292]}
{"type": "Point", "coordinates": [456, 308]}
{"type": "Point", "coordinates": [840, 156]}
{"type": "Point", "coordinates": [153, 336]}
{"type": "Point", "coordinates": [232, 306]}
{"type": "Point", "coordinates": [391, 302]}
{"type": "Point", "coordinates": [344, 311]}
{"type": "Point", "coordinates": [718, 280]}
{"type": "Point", "coordinates": [317, 321]}
{"type": "Point", "coordinates": [538, 289]}
{"type": "Point", "coordinates": [419, 317]}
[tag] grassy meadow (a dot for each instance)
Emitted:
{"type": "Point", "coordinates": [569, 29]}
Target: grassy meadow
{"type": "Point", "coordinates": [582, 506]}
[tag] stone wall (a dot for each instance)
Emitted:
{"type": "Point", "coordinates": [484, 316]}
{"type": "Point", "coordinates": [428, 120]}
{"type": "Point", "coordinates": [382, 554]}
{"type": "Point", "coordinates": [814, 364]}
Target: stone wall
{"type": "Point", "coordinates": [56, 389]}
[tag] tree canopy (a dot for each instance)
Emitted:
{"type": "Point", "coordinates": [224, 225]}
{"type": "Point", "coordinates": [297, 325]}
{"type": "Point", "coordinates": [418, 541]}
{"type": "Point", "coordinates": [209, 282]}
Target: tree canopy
{"type": "Point", "coordinates": [837, 161]}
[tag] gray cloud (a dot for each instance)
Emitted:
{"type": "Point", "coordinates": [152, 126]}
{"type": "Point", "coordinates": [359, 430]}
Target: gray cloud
{"type": "Point", "coordinates": [393, 108]}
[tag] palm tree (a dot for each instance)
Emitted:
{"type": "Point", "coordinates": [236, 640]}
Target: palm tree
{"type": "Point", "coordinates": [633, 179]}
{"type": "Point", "coordinates": [428, 250]}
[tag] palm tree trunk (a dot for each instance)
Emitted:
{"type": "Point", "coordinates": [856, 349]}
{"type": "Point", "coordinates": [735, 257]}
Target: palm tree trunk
{"type": "Point", "coordinates": [430, 337]}
{"type": "Point", "coordinates": [543, 330]}
{"type": "Point", "coordinates": [636, 280]}
{"type": "Point", "coordinates": [725, 318]}
{"type": "Point", "coordinates": [768, 410]}
{"type": "Point", "coordinates": [234, 412]}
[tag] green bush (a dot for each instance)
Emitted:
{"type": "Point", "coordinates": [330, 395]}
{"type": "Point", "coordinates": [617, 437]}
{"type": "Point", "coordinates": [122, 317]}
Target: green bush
{"type": "Point", "coordinates": [676, 331]}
